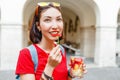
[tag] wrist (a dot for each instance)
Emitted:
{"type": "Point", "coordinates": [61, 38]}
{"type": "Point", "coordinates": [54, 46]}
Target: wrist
{"type": "Point", "coordinates": [69, 74]}
{"type": "Point", "coordinates": [47, 77]}
{"type": "Point", "coordinates": [48, 70]}
{"type": "Point", "coordinates": [44, 76]}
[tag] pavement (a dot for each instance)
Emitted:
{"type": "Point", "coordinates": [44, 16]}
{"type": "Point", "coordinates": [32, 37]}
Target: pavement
{"type": "Point", "coordinates": [108, 73]}
{"type": "Point", "coordinates": [93, 73]}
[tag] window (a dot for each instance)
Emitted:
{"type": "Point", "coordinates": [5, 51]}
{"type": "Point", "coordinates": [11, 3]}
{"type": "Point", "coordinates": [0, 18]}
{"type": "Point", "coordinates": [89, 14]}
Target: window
{"type": "Point", "coordinates": [118, 32]}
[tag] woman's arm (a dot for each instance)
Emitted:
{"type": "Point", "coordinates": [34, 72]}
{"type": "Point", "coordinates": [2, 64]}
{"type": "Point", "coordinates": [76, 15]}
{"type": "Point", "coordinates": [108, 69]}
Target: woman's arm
{"type": "Point", "coordinates": [27, 77]}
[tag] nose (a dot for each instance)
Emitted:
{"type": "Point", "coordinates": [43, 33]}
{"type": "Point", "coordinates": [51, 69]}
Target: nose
{"type": "Point", "coordinates": [54, 25]}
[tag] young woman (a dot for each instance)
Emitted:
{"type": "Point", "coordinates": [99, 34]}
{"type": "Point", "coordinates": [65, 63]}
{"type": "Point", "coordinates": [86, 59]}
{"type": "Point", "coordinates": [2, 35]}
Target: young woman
{"type": "Point", "coordinates": [46, 27]}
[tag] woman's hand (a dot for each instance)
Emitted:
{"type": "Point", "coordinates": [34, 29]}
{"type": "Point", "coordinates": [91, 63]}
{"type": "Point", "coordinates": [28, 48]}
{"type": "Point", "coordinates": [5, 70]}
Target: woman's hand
{"type": "Point", "coordinates": [55, 57]}
{"type": "Point", "coordinates": [84, 70]}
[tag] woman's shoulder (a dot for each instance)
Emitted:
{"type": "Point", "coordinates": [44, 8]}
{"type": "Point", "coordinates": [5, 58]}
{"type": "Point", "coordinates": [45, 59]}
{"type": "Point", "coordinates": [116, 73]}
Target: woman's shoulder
{"type": "Point", "coordinates": [24, 54]}
{"type": "Point", "coordinates": [27, 50]}
{"type": "Point", "coordinates": [24, 51]}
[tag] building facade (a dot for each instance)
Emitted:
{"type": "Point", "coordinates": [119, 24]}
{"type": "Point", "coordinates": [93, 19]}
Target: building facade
{"type": "Point", "coordinates": [93, 24]}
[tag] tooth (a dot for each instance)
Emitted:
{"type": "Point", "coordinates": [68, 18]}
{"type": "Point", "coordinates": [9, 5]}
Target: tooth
{"type": "Point", "coordinates": [54, 32]}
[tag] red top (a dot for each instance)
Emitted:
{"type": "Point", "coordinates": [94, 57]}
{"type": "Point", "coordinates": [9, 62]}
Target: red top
{"type": "Point", "coordinates": [25, 64]}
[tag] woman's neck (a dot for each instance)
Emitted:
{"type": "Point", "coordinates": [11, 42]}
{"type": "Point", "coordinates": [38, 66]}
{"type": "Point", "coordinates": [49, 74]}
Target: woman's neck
{"type": "Point", "coordinates": [46, 45]}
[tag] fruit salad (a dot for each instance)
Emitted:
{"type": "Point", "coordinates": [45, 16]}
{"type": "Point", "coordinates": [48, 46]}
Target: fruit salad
{"type": "Point", "coordinates": [76, 65]}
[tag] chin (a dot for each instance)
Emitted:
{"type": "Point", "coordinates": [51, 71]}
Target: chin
{"type": "Point", "coordinates": [54, 39]}
{"type": "Point", "coordinates": [51, 38]}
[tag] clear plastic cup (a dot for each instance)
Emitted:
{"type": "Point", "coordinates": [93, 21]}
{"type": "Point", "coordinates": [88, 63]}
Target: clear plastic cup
{"type": "Point", "coordinates": [76, 66]}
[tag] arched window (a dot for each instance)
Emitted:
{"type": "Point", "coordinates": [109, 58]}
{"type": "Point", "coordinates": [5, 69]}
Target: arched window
{"type": "Point", "coordinates": [118, 28]}
{"type": "Point", "coordinates": [118, 32]}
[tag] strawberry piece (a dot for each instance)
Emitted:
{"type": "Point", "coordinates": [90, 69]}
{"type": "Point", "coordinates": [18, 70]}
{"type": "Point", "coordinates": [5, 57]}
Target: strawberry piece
{"type": "Point", "coordinates": [72, 60]}
{"type": "Point", "coordinates": [75, 61]}
{"type": "Point", "coordinates": [78, 60]}
{"type": "Point", "coordinates": [59, 35]}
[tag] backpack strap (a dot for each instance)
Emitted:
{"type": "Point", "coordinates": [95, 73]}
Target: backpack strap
{"type": "Point", "coordinates": [62, 49]}
{"type": "Point", "coordinates": [34, 56]}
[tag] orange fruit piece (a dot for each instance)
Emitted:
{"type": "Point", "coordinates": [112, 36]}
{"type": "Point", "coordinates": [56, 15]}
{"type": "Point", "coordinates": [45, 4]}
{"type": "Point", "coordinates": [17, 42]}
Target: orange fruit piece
{"type": "Point", "coordinates": [76, 66]}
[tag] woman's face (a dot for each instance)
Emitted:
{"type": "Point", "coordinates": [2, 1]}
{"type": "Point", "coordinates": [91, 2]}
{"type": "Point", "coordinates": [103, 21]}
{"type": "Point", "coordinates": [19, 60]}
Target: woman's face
{"type": "Point", "coordinates": [51, 23]}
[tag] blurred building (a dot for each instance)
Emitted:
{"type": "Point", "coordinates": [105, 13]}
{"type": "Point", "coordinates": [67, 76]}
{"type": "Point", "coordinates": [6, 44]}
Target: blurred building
{"type": "Point", "coordinates": [91, 26]}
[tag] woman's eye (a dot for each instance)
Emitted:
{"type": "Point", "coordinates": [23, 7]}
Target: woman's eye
{"type": "Point", "coordinates": [47, 20]}
{"type": "Point", "coordinates": [59, 19]}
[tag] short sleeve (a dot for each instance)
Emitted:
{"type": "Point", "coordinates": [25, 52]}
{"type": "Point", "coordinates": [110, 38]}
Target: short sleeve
{"type": "Point", "coordinates": [25, 64]}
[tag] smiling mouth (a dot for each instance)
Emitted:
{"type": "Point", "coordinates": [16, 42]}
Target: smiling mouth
{"type": "Point", "coordinates": [55, 34]}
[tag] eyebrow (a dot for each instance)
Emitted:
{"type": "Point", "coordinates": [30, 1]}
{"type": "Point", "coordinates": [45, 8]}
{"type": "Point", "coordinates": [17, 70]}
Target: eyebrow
{"type": "Point", "coordinates": [51, 17]}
